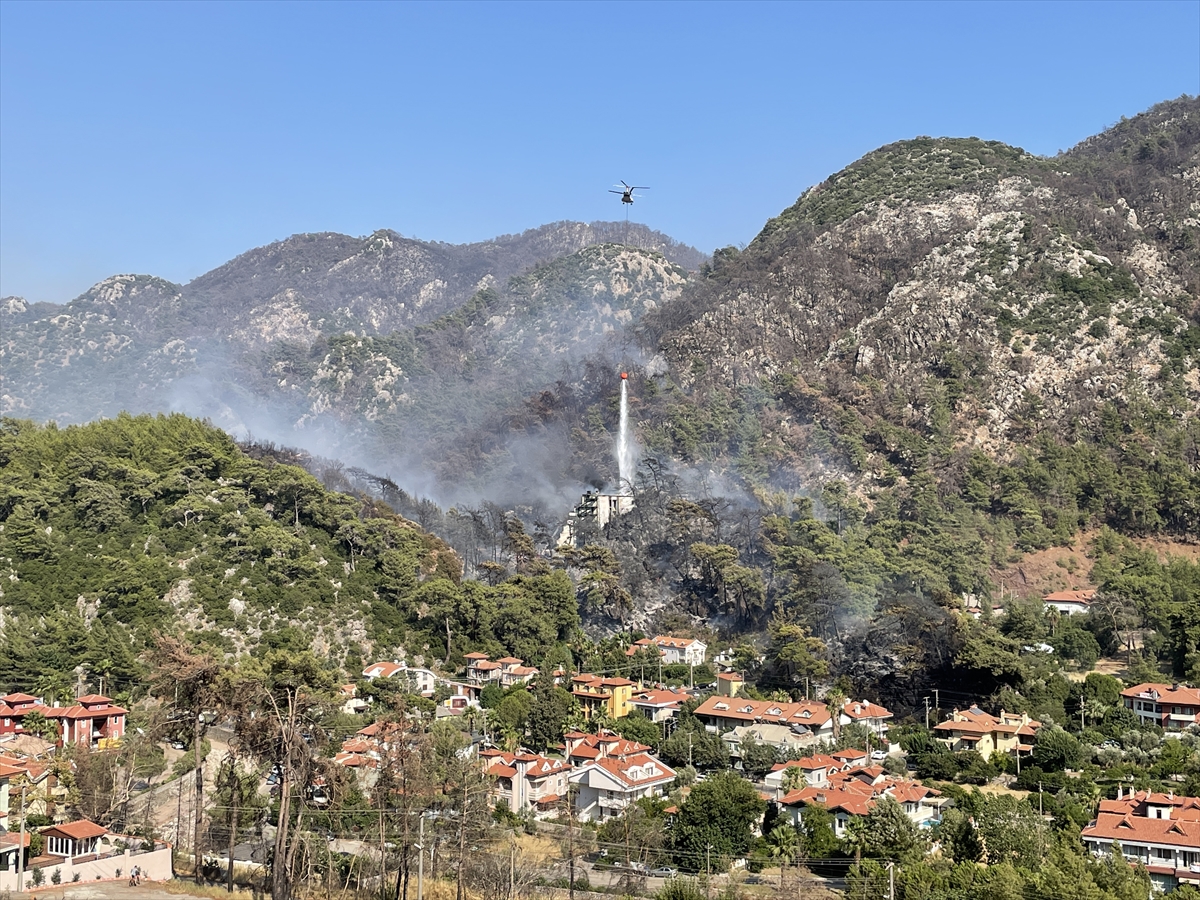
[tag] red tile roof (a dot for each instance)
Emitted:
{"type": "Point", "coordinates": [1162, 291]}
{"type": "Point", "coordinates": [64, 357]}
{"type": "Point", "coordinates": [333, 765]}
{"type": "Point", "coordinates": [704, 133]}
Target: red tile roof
{"type": "Point", "coordinates": [78, 830]}
{"type": "Point", "coordinates": [621, 769]}
{"type": "Point", "coordinates": [809, 713]}
{"type": "Point", "coordinates": [1164, 693]}
{"type": "Point", "coordinates": [1116, 827]}
{"type": "Point", "coordinates": [1085, 596]}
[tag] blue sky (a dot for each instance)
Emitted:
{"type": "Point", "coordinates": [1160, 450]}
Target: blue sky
{"type": "Point", "coordinates": [168, 138]}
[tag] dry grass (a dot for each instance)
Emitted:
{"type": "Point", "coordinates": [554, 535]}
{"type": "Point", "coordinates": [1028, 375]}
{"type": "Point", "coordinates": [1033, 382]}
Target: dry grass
{"type": "Point", "coordinates": [191, 889]}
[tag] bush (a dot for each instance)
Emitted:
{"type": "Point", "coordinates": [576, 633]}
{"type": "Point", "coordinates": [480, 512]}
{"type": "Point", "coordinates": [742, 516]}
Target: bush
{"type": "Point", "coordinates": [56, 876]}
{"type": "Point", "coordinates": [680, 889]}
{"type": "Point", "coordinates": [38, 878]}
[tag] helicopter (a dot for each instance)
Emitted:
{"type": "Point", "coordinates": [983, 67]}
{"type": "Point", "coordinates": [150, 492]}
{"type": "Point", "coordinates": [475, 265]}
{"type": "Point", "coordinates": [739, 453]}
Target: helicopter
{"type": "Point", "coordinates": [627, 193]}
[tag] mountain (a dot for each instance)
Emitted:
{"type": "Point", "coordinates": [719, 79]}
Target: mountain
{"type": "Point", "coordinates": [939, 298]}
{"type": "Point", "coordinates": [947, 356]}
{"type": "Point", "coordinates": [964, 292]}
{"type": "Point", "coordinates": [322, 331]}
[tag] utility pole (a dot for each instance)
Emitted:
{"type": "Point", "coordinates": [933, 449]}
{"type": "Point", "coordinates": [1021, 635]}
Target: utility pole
{"type": "Point", "coordinates": [708, 870]}
{"type": "Point", "coordinates": [21, 847]}
{"type": "Point", "coordinates": [891, 881]}
{"type": "Point", "coordinates": [421, 857]}
{"type": "Point", "coordinates": [512, 869]}
{"type": "Point", "coordinates": [570, 844]}
{"type": "Point", "coordinates": [937, 701]}
{"type": "Point", "coordinates": [926, 713]}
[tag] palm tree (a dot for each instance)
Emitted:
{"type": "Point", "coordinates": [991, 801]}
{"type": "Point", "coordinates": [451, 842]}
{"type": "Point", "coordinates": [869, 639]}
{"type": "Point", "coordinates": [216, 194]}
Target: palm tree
{"type": "Point", "coordinates": [855, 837]}
{"type": "Point", "coordinates": [835, 700]}
{"type": "Point", "coordinates": [782, 843]}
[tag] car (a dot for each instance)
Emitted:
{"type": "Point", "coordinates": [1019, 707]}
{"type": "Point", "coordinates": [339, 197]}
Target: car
{"type": "Point", "coordinates": [178, 745]}
{"type": "Point", "coordinates": [664, 872]}
{"type": "Point", "coordinates": [879, 754]}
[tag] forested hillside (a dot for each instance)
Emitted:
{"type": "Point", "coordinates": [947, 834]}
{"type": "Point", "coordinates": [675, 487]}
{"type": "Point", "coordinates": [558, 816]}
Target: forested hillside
{"type": "Point", "coordinates": [949, 354]}
{"type": "Point", "coordinates": [119, 529]}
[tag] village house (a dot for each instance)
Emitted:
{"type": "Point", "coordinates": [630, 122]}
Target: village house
{"type": "Point", "coordinates": [13, 709]}
{"type": "Point", "coordinates": [1160, 831]}
{"type": "Point", "coordinates": [93, 720]}
{"type": "Point", "coordinates": [514, 672]}
{"type": "Point", "coordinates": [527, 781]}
{"type": "Point", "coordinates": [869, 715]}
{"type": "Point", "coordinates": [816, 769]}
{"type": "Point", "coordinates": [480, 669]}
{"type": "Point", "coordinates": [672, 650]}
{"type": "Point", "coordinates": [583, 748]}
{"type": "Point", "coordinates": [607, 696]}
{"type": "Point", "coordinates": [783, 738]}
{"type": "Point", "coordinates": [808, 717]}
{"type": "Point", "coordinates": [808, 720]}
{"type": "Point", "coordinates": [730, 684]}
{"type": "Point", "coordinates": [1170, 706]}
{"type": "Point", "coordinates": [86, 852]}
{"type": "Point", "coordinates": [658, 704]}
{"type": "Point", "coordinates": [1070, 603]}
{"type": "Point", "coordinates": [973, 729]}
{"type": "Point", "coordinates": [855, 791]}
{"type": "Point", "coordinates": [607, 785]}
{"type": "Point", "coordinates": [10, 847]}
{"type": "Point", "coordinates": [352, 704]}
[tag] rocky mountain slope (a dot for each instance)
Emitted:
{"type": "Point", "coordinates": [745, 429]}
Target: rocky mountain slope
{"type": "Point", "coordinates": [960, 290]}
{"type": "Point", "coordinates": [325, 327]}
{"type": "Point", "coordinates": [938, 296]}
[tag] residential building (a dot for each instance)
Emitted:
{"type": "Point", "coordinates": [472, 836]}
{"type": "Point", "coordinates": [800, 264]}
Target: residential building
{"type": "Point", "coordinates": [871, 716]}
{"type": "Point", "coordinates": [1070, 602]}
{"type": "Point", "coordinates": [514, 672]}
{"type": "Point", "coordinates": [93, 720]}
{"type": "Point", "coordinates": [583, 748]}
{"type": "Point", "coordinates": [973, 729]}
{"type": "Point", "coordinates": [13, 709]}
{"type": "Point", "coordinates": [526, 781]}
{"type": "Point", "coordinates": [606, 786]}
{"type": "Point", "coordinates": [1160, 831]}
{"type": "Point", "coordinates": [10, 844]}
{"type": "Point", "coordinates": [782, 737]}
{"type": "Point", "coordinates": [658, 704]}
{"type": "Point", "coordinates": [808, 717]}
{"type": "Point", "coordinates": [1171, 706]}
{"type": "Point", "coordinates": [610, 696]}
{"type": "Point", "coordinates": [79, 838]}
{"type": "Point", "coordinates": [815, 769]}
{"type": "Point", "coordinates": [730, 684]}
{"type": "Point", "coordinates": [593, 507]}
{"type": "Point", "coordinates": [382, 669]}
{"type": "Point", "coordinates": [855, 791]}
{"type": "Point", "coordinates": [352, 704]}
{"type": "Point", "coordinates": [481, 670]}
{"type": "Point", "coordinates": [7, 774]}
{"type": "Point", "coordinates": [672, 650]}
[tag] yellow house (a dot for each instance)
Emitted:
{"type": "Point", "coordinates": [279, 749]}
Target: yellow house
{"type": "Point", "coordinates": [611, 696]}
{"type": "Point", "coordinates": [973, 729]}
{"type": "Point", "coordinates": [729, 684]}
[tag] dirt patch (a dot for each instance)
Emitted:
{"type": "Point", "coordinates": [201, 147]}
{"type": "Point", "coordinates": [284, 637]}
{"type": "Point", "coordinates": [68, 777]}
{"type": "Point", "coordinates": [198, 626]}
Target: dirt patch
{"type": "Point", "coordinates": [1069, 568]}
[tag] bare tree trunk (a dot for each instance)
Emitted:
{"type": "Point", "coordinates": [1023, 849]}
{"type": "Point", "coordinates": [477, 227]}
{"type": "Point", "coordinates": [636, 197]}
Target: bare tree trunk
{"type": "Point", "coordinates": [280, 874]}
{"type": "Point", "coordinates": [198, 823]}
{"type": "Point", "coordinates": [235, 796]}
{"type": "Point", "coordinates": [462, 843]}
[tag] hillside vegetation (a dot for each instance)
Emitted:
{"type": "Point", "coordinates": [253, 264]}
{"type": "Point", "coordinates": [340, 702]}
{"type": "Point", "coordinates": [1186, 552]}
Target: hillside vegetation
{"type": "Point", "coordinates": [118, 529]}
